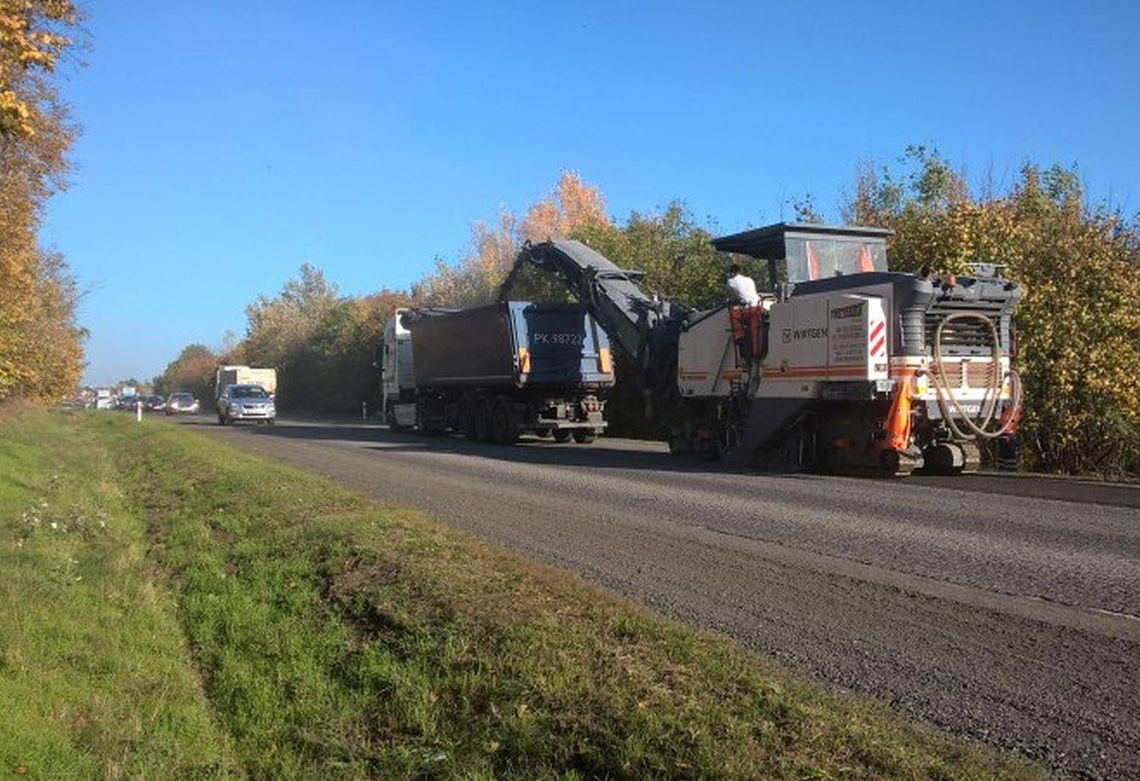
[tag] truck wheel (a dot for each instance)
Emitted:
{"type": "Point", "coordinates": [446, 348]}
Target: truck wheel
{"type": "Point", "coordinates": [482, 420]}
{"type": "Point", "coordinates": [583, 436]}
{"type": "Point", "coordinates": [503, 429]}
{"type": "Point", "coordinates": [561, 436]}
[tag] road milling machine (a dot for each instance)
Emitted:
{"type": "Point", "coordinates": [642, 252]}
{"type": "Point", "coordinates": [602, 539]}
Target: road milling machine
{"type": "Point", "coordinates": [842, 366]}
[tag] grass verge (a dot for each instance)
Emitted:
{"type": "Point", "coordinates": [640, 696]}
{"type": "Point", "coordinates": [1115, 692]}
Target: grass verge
{"type": "Point", "coordinates": [337, 638]}
{"type": "Point", "coordinates": [96, 679]}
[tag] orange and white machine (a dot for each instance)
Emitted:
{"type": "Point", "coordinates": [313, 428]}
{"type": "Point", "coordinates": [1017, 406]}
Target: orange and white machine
{"type": "Point", "coordinates": [852, 364]}
{"type": "Point", "coordinates": [843, 364]}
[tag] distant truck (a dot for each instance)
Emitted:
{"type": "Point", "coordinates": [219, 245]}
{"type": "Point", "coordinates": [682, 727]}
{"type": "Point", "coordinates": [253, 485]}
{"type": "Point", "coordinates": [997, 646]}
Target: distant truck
{"type": "Point", "coordinates": [245, 375]}
{"type": "Point", "coordinates": [493, 373]}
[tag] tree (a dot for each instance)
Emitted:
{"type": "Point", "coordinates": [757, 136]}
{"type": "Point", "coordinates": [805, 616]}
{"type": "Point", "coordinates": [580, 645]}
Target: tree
{"type": "Point", "coordinates": [675, 253]}
{"type": "Point", "coordinates": [191, 372]}
{"type": "Point", "coordinates": [33, 37]}
{"type": "Point", "coordinates": [41, 352]}
{"type": "Point", "coordinates": [572, 205]}
{"type": "Point", "coordinates": [279, 327]}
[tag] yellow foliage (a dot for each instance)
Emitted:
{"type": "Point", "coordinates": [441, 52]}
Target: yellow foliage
{"type": "Point", "coordinates": [40, 345]}
{"type": "Point", "coordinates": [31, 38]}
{"type": "Point", "coordinates": [474, 280]}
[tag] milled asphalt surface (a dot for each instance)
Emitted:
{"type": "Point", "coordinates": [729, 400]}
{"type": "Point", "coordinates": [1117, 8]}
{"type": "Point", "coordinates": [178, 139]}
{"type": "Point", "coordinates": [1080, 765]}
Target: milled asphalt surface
{"type": "Point", "coordinates": [1006, 609]}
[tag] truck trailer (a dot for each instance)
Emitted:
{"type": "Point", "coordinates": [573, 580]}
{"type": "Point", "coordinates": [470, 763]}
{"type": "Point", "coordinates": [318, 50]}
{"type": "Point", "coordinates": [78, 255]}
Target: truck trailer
{"type": "Point", "coordinates": [496, 372]}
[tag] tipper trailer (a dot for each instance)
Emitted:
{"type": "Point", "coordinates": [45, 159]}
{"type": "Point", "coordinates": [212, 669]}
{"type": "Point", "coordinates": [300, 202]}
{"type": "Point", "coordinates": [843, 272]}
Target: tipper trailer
{"type": "Point", "coordinates": [495, 372]}
{"type": "Point", "coordinates": [842, 365]}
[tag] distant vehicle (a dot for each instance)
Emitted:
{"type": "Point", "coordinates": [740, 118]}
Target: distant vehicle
{"type": "Point", "coordinates": [103, 399]}
{"type": "Point", "coordinates": [246, 402]}
{"type": "Point", "coordinates": [154, 404]}
{"type": "Point", "coordinates": [245, 375]}
{"type": "Point", "coordinates": [126, 402]}
{"type": "Point", "coordinates": [182, 403]}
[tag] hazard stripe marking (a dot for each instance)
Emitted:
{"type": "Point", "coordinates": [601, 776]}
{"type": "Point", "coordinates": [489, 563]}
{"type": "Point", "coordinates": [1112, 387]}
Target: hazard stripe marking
{"type": "Point", "coordinates": [879, 345]}
{"type": "Point", "coordinates": [878, 329]}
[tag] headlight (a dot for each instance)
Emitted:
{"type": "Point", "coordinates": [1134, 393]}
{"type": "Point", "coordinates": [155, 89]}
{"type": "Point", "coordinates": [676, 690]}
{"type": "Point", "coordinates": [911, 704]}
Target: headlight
{"type": "Point", "coordinates": [235, 408]}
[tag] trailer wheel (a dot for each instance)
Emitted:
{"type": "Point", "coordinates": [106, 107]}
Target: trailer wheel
{"type": "Point", "coordinates": [583, 436]}
{"type": "Point", "coordinates": [561, 436]}
{"type": "Point", "coordinates": [482, 423]}
{"type": "Point", "coordinates": [503, 429]}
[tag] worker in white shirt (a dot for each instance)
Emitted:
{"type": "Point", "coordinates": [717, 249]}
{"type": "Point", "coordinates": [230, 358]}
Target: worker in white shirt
{"type": "Point", "coordinates": [741, 289]}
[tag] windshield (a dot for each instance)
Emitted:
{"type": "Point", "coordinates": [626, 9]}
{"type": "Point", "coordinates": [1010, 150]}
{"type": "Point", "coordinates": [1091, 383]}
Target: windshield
{"type": "Point", "coordinates": [180, 397]}
{"type": "Point", "coordinates": [823, 258]}
{"type": "Point", "coordinates": [248, 392]}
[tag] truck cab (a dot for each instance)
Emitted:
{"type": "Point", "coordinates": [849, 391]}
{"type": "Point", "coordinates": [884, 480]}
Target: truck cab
{"type": "Point", "coordinates": [397, 374]}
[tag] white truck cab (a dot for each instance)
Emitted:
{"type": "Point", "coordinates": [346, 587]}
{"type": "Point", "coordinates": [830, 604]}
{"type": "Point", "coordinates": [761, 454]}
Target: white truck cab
{"type": "Point", "coordinates": [397, 374]}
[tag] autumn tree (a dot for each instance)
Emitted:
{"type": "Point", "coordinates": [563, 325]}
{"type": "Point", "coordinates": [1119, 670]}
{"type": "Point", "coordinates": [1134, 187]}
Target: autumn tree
{"type": "Point", "coordinates": [345, 347]}
{"type": "Point", "coordinates": [191, 372]}
{"type": "Point", "coordinates": [33, 37]}
{"type": "Point", "coordinates": [475, 279]}
{"type": "Point", "coordinates": [40, 343]}
{"type": "Point", "coordinates": [321, 343]}
{"type": "Point", "coordinates": [675, 253]}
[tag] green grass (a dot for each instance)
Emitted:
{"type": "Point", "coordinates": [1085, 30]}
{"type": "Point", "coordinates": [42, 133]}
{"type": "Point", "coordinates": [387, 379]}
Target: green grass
{"type": "Point", "coordinates": [96, 679]}
{"type": "Point", "coordinates": [336, 638]}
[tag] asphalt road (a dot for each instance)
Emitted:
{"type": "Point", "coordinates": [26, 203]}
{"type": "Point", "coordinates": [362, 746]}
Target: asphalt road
{"type": "Point", "coordinates": [1001, 608]}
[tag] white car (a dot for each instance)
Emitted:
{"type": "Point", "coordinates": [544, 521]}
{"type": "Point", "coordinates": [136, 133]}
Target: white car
{"type": "Point", "coordinates": [246, 402]}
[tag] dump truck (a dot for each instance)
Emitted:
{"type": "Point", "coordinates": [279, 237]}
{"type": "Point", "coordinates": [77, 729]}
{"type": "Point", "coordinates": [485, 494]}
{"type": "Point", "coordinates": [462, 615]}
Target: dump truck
{"type": "Point", "coordinates": [244, 375]}
{"type": "Point", "coordinates": [496, 372]}
{"type": "Point", "coordinates": [843, 365]}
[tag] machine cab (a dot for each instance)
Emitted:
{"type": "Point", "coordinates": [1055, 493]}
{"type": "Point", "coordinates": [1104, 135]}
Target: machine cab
{"type": "Point", "coordinates": [805, 252]}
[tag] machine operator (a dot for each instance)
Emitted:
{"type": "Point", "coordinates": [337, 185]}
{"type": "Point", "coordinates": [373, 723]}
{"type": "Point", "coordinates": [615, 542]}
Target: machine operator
{"type": "Point", "coordinates": [741, 288]}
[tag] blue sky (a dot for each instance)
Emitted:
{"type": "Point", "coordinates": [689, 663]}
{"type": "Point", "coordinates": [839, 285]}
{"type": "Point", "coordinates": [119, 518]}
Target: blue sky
{"type": "Point", "coordinates": [226, 143]}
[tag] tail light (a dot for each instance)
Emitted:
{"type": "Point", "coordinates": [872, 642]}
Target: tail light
{"type": "Point", "coordinates": [605, 362]}
{"type": "Point", "coordinates": [524, 360]}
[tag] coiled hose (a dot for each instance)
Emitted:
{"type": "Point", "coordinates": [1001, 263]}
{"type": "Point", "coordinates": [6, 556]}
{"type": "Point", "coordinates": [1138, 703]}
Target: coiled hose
{"type": "Point", "coordinates": [990, 404]}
